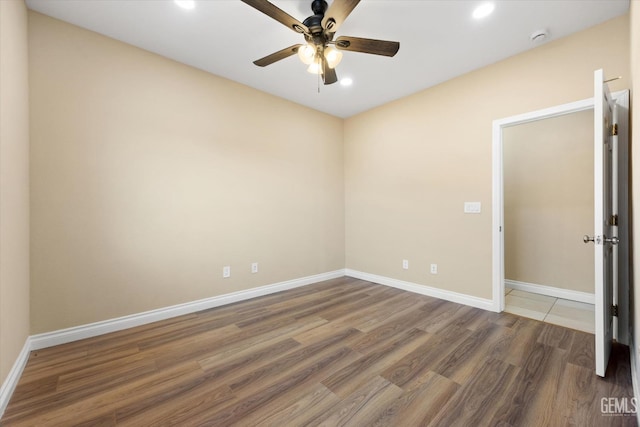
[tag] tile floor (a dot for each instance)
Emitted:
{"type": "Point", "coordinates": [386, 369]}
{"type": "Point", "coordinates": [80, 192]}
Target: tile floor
{"type": "Point", "coordinates": [571, 314]}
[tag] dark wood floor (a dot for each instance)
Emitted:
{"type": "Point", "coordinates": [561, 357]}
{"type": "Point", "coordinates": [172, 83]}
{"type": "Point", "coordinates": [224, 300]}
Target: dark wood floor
{"type": "Point", "coordinates": [342, 352]}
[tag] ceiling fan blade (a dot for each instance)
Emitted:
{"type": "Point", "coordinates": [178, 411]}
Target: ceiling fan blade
{"type": "Point", "coordinates": [328, 74]}
{"type": "Point", "coordinates": [277, 56]}
{"type": "Point", "coordinates": [376, 47]}
{"type": "Point", "coordinates": [278, 14]}
{"type": "Point", "coordinates": [337, 13]}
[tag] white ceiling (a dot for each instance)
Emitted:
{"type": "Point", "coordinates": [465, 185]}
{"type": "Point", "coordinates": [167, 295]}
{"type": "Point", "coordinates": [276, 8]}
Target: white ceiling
{"type": "Point", "coordinates": [438, 39]}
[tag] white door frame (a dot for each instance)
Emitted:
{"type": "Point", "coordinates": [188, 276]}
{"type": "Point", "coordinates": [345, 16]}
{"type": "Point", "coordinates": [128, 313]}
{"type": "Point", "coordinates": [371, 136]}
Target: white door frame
{"type": "Point", "coordinates": [622, 99]}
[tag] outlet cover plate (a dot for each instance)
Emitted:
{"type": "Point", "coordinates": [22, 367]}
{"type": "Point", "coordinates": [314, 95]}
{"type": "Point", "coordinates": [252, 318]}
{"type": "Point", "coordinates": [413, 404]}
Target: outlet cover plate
{"type": "Point", "coordinates": [472, 207]}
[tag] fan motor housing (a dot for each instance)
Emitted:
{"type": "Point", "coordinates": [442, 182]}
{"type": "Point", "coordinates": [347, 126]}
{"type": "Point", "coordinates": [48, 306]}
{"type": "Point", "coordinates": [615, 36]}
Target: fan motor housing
{"type": "Point", "coordinates": [314, 22]}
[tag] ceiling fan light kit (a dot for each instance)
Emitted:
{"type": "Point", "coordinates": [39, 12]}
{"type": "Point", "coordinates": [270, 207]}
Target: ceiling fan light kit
{"type": "Point", "coordinates": [320, 51]}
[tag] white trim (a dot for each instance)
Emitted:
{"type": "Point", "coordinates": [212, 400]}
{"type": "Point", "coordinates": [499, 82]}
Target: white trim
{"type": "Point", "coordinates": [64, 336]}
{"type": "Point", "coordinates": [622, 101]}
{"type": "Point", "coordinates": [10, 383]}
{"type": "Point", "coordinates": [483, 303]}
{"type": "Point", "coordinates": [497, 220]}
{"type": "Point", "coordinates": [622, 98]}
{"type": "Point", "coordinates": [633, 359]}
{"type": "Point", "coordinates": [497, 180]}
{"type": "Point", "coordinates": [586, 297]}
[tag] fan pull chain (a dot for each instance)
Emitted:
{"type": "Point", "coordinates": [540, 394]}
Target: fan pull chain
{"type": "Point", "coordinates": [319, 69]}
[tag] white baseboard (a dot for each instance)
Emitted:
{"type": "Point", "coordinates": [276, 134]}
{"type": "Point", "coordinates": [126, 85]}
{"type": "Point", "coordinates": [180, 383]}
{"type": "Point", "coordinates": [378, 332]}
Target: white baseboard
{"type": "Point", "coordinates": [485, 304]}
{"type": "Point", "coordinates": [63, 336]}
{"type": "Point", "coordinates": [76, 333]}
{"type": "Point", "coordinates": [10, 383]}
{"type": "Point", "coordinates": [551, 291]}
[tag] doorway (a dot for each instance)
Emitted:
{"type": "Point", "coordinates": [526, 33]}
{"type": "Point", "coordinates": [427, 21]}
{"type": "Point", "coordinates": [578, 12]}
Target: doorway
{"type": "Point", "coordinates": [548, 204]}
{"type": "Point", "coordinates": [500, 128]}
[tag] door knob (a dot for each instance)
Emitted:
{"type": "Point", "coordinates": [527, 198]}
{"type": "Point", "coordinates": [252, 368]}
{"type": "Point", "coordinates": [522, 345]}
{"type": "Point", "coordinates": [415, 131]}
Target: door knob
{"type": "Point", "coordinates": [599, 240]}
{"type": "Point", "coordinates": [613, 240]}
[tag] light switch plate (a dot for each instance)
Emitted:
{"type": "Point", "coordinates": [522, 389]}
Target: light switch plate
{"type": "Point", "coordinates": [472, 207]}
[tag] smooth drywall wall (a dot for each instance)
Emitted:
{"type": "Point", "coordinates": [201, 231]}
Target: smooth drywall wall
{"type": "Point", "coordinates": [149, 176]}
{"type": "Point", "coordinates": [411, 164]}
{"type": "Point", "coordinates": [14, 183]}
{"type": "Point", "coordinates": [548, 202]}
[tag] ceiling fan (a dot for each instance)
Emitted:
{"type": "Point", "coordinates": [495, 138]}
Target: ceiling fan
{"type": "Point", "coordinates": [320, 51]}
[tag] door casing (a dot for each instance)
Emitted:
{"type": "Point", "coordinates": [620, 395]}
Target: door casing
{"type": "Point", "coordinates": [622, 99]}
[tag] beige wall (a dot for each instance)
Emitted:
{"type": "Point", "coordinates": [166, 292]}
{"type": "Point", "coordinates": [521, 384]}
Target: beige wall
{"type": "Point", "coordinates": [149, 176]}
{"type": "Point", "coordinates": [635, 174]}
{"type": "Point", "coordinates": [548, 201]}
{"type": "Point", "coordinates": [139, 163]}
{"type": "Point", "coordinates": [14, 183]}
{"type": "Point", "coordinates": [411, 164]}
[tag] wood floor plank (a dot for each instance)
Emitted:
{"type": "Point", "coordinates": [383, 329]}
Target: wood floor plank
{"type": "Point", "coordinates": [207, 396]}
{"type": "Point", "coordinates": [474, 402]}
{"type": "Point", "coordinates": [306, 305]}
{"type": "Point", "coordinates": [581, 392]}
{"type": "Point", "coordinates": [298, 410]}
{"type": "Point", "coordinates": [84, 384]}
{"type": "Point", "coordinates": [533, 396]}
{"type": "Point", "coordinates": [294, 384]}
{"type": "Point", "coordinates": [265, 393]}
{"type": "Point", "coordinates": [582, 350]}
{"type": "Point", "coordinates": [376, 296]}
{"type": "Point", "coordinates": [340, 352]}
{"type": "Point", "coordinates": [556, 336]}
{"type": "Point", "coordinates": [258, 378]}
{"type": "Point", "coordinates": [384, 312]}
{"type": "Point", "coordinates": [66, 410]}
{"type": "Point", "coordinates": [524, 337]}
{"type": "Point", "coordinates": [419, 405]}
{"type": "Point", "coordinates": [463, 361]}
{"type": "Point", "coordinates": [410, 368]}
{"type": "Point", "coordinates": [360, 408]}
{"type": "Point", "coordinates": [363, 313]}
{"type": "Point", "coordinates": [389, 329]}
{"type": "Point", "coordinates": [347, 380]}
{"type": "Point", "coordinates": [280, 331]}
{"type": "Point", "coordinates": [440, 317]}
{"type": "Point", "coordinates": [249, 358]}
{"type": "Point", "coordinates": [578, 385]}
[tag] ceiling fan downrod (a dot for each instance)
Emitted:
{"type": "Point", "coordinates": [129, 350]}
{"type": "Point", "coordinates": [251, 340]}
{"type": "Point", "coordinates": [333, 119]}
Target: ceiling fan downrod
{"type": "Point", "coordinates": [316, 35]}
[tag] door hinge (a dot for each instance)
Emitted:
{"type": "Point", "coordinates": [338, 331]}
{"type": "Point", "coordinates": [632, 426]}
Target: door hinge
{"type": "Point", "coordinates": [614, 129]}
{"type": "Point", "coordinates": [614, 310]}
{"type": "Point", "coordinates": [613, 220]}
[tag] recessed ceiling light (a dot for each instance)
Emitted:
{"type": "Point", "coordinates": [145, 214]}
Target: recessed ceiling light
{"type": "Point", "coordinates": [483, 10]}
{"type": "Point", "coordinates": [186, 4]}
{"type": "Point", "coordinates": [346, 81]}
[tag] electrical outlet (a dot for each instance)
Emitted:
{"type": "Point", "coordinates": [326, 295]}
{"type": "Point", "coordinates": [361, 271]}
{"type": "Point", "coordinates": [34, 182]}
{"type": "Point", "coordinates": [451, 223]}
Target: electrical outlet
{"type": "Point", "coordinates": [254, 267]}
{"type": "Point", "coordinates": [405, 264]}
{"type": "Point", "coordinates": [434, 268]}
{"type": "Point", "coordinates": [226, 271]}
